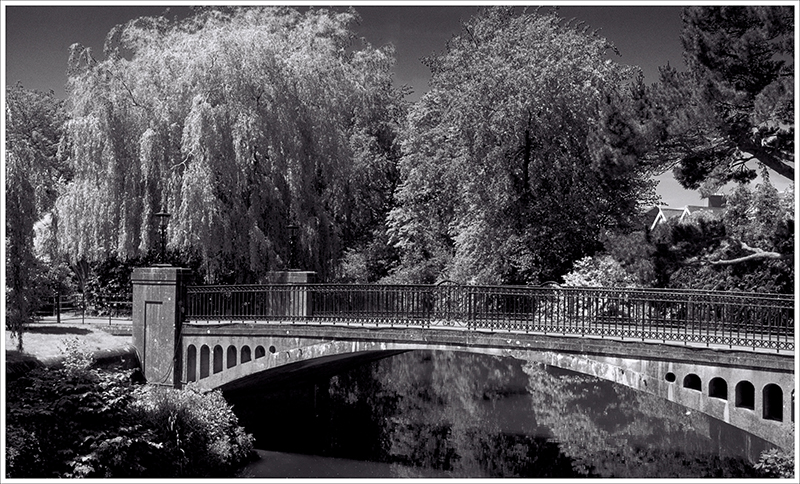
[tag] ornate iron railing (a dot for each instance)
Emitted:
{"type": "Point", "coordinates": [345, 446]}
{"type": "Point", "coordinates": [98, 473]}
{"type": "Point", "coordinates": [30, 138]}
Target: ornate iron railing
{"type": "Point", "coordinates": [744, 320]}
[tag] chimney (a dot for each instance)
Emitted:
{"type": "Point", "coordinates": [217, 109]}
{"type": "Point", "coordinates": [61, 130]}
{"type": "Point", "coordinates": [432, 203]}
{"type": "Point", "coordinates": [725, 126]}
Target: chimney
{"type": "Point", "coordinates": [716, 200]}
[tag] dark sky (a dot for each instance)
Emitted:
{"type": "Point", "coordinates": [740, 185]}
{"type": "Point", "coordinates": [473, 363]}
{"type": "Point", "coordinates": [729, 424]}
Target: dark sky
{"type": "Point", "coordinates": [38, 39]}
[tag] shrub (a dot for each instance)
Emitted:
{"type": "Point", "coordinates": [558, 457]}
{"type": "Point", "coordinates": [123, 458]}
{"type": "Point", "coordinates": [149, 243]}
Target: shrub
{"type": "Point", "coordinates": [22, 451]}
{"type": "Point", "coordinates": [77, 361]}
{"type": "Point", "coordinates": [199, 433]}
{"type": "Point", "coordinates": [82, 422]}
{"type": "Point", "coordinates": [600, 271]}
{"type": "Point", "coordinates": [55, 415]}
{"type": "Point", "coordinates": [777, 463]}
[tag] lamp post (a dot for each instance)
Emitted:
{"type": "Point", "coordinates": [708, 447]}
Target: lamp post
{"type": "Point", "coordinates": [293, 230]}
{"type": "Point", "coordinates": [163, 219]}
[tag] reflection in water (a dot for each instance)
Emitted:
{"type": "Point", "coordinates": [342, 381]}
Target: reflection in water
{"type": "Point", "coordinates": [428, 413]}
{"type": "Point", "coordinates": [280, 464]}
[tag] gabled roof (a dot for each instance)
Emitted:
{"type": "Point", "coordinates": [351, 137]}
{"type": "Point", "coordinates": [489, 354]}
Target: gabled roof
{"type": "Point", "coordinates": [659, 214]}
{"type": "Point", "coordinates": [672, 212]}
{"type": "Point", "coordinates": [698, 208]}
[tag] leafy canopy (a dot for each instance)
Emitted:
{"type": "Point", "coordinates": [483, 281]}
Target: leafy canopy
{"type": "Point", "coordinates": [520, 155]}
{"type": "Point", "coordinates": [33, 175]}
{"type": "Point", "coordinates": [237, 121]}
{"type": "Point", "coordinates": [748, 248]}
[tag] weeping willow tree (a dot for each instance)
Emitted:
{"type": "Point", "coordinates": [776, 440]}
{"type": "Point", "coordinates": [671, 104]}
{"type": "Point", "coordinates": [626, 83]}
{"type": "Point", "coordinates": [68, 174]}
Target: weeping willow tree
{"type": "Point", "coordinates": [237, 121]}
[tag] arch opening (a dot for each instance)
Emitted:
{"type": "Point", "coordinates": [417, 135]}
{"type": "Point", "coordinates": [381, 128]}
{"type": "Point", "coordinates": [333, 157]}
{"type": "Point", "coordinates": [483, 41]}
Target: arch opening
{"type": "Point", "coordinates": [718, 388]}
{"type": "Point", "coordinates": [245, 357]}
{"type": "Point", "coordinates": [692, 382]}
{"type": "Point", "coordinates": [772, 402]}
{"type": "Point", "coordinates": [745, 395]}
{"type": "Point", "coordinates": [231, 357]}
{"type": "Point", "coordinates": [670, 377]}
{"type": "Point", "coordinates": [191, 363]}
{"type": "Point", "coordinates": [217, 359]}
{"type": "Point", "coordinates": [205, 355]}
{"type": "Point", "coordinates": [260, 352]}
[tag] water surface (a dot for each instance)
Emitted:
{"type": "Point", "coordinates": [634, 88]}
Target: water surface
{"type": "Point", "coordinates": [450, 414]}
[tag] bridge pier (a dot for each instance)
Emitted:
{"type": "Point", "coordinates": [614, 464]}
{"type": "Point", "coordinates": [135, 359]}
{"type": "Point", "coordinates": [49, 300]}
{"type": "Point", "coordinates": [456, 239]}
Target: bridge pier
{"type": "Point", "coordinates": [158, 296]}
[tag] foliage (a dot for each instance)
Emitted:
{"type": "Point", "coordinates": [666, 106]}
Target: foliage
{"type": "Point", "coordinates": [56, 415]}
{"type": "Point", "coordinates": [602, 271]}
{"type": "Point", "coordinates": [705, 250]}
{"type": "Point", "coordinates": [77, 361]}
{"type": "Point", "coordinates": [777, 463]}
{"type": "Point", "coordinates": [109, 280]}
{"type": "Point", "coordinates": [625, 262]}
{"type": "Point", "coordinates": [369, 263]}
{"type": "Point", "coordinates": [677, 242]}
{"type": "Point", "coordinates": [63, 423]}
{"type": "Point", "coordinates": [735, 104]}
{"type": "Point", "coordinates": [33, 173]}
{"type": "Point", "coordinates": [634, 253]}
{"type": "Point", "coordinates": [773, 276]}
{"type": "Point", "coordinates": [756, 217]}
{"type": "Point", "coordinates": [759, 219]}
{"type": "Point", "coordinates": [198, 434]}
{"type": "Point", "coordinates": [237, 121]}
{"type": "Point", "coordinates": [519, 156]}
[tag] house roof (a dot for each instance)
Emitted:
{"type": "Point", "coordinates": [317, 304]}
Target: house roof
{"type": "Point", "coordinates": [698, 208]}
{"type": "Point", "coordinates": [672, 212]}
{"type": "Point", "coordinates": [658, 213]}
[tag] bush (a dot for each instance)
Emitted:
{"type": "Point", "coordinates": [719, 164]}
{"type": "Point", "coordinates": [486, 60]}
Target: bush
{"type": "Point", "coordinates": [82, 422]}
{"type": "Point", "coordinates": [55, 415]}
{"type": "Point", "coordinates": [77, 361]}
{"type": "Point", "coordinates": [198, 433]}
{"type": "Point", "coordinates": [600, 271]}
{"type": "Point", "coordinates": [777, 463]}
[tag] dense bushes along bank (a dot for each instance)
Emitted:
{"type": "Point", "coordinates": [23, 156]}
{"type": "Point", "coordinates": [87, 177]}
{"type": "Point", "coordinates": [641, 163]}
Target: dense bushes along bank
{"type": "Point", "coordinates": [77, 421]}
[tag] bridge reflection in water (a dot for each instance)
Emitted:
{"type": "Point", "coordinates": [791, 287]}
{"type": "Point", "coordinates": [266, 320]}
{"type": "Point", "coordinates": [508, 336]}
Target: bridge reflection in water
{"type": "Point", "coordinates": [730, 355]}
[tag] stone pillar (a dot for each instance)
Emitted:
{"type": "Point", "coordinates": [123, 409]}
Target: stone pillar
{"type": "Point", "coordinates": [300, 300]}
{"type": "Point", "coordinates": [158, 299]}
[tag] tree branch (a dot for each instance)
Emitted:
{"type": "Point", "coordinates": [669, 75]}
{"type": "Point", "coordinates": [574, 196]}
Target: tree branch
{"type": "Point", "coordinates": [757, 254]}
{"type": "Point", "coordinates": [765, 157]}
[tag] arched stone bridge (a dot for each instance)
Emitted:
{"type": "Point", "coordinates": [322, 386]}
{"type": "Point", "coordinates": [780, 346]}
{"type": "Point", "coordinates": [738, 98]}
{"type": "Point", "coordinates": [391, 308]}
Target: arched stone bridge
{"type": "Point", "coordinates": [729, 357]}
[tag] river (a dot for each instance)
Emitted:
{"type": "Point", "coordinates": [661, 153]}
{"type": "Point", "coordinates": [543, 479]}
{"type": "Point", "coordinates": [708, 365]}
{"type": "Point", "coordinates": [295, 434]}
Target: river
{"type": "Point", "coordinates": [449, 414]}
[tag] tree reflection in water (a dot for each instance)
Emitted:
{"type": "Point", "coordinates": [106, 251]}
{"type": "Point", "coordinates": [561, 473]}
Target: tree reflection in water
{"type": "Point", "coordinates": [472, 415]}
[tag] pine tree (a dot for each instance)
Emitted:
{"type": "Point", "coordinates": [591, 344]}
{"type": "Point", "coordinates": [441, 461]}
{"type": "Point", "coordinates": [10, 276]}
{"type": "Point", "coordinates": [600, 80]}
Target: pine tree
{"type": "Point", "coordinates": [736, 102]}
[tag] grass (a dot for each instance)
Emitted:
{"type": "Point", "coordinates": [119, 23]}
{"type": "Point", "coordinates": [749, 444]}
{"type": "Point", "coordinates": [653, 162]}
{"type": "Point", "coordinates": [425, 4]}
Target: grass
{"type": "Point", "coordinates": [46, 341]}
